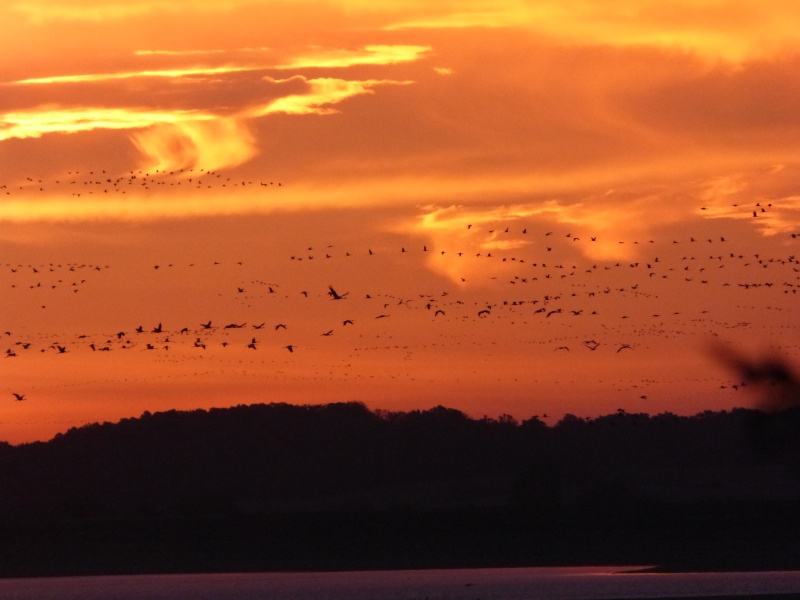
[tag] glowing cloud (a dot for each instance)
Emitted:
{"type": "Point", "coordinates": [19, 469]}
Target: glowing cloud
{"type": "Point", "coordinates": [34, 123]}
{"type": "Point", "coordinates": [469, 230]}
{"type": "Point", "coordinates": [167, 73]}
{"type": "Point", "coordinates": [175, 139]}
{"type": "Point", "coordinates": [733, 30]}
{"type": "Point", "coordinates": [323, 91]}
{"type": "Point", "coordinates": [197, 52]}
{"type": "Point", "coordinates": [318, 58]}
{"type": "Point", "coordinates": [369, 55]}
{"type": "Point", "coordinates": [758, 197]}
{"type": "Point", "coordinates": [213, 144]}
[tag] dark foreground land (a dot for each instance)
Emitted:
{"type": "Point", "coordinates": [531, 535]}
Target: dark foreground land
{"type": "Point", "coordinates": [398, 540]}
{"type": "Point", "coordinates": [338, 487]}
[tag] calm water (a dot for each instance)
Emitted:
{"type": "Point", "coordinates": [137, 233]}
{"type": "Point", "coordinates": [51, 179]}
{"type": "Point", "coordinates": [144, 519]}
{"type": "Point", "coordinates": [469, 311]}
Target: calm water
{"type": "Point", "coordinates": [454, 584]}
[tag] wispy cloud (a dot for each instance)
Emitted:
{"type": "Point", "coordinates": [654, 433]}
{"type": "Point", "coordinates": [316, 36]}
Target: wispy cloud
{"type": "Point", "coordinates": [729, 30]}
{"type": "Point", "coordinates": [218, 143]}
{"type": "Point", "coordinates": [165, 73]}
{"type": "Point", "coordinates": [181, 138]}
{"type": "Point", "coordinates": [171, 139]}
{"type": "Point", "coordinates": [97, 11]}
{"type": "Point", "coordinates": [199, 52]}
{"type": "Point", "coordinates": [323, 58]}
{"type": "Point", "coordinates": [322, 93]}
{"type": "Point", "coordinates": [36, 122]}
{"type": "Point", "coordinates": [368, 55]}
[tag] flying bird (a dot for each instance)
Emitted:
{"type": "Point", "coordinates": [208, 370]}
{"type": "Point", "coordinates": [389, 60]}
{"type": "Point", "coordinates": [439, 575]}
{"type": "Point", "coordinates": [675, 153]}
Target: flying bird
{"type": "Point", "coordinates": [335, 295]}
{"type": "Point", "coordinates": [19, 397]}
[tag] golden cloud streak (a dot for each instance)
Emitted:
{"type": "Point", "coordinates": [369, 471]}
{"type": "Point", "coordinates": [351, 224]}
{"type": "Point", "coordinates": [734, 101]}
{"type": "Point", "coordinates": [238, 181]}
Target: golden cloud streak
{"type": "Point", "coordinates": [320, 58]}
{"type": "Point", "coordinates": [168, 73]}
{"type": "Point", "coordinates": [176, 202]}
{"type": "Point", "coordinates": [563, 201]}
{"type": "Point", "coordinates": [462, 20]}
{"type": "Point", "coordinates": [34, 123]}
{"type": "Point", "coordinates": [323, 91]}
{"type": "Point", "coordinates": [368, 55]}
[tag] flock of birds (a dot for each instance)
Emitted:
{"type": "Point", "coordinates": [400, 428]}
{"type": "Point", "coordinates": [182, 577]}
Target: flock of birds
{"type": "Point", "coordinates": [542, 295]}
{"type": "Point", "coordinates": [80, 183]}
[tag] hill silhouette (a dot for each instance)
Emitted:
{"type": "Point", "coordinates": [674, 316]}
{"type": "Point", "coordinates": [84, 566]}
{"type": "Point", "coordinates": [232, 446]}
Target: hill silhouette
{"type": "Point", "coordinates": [278, 486]}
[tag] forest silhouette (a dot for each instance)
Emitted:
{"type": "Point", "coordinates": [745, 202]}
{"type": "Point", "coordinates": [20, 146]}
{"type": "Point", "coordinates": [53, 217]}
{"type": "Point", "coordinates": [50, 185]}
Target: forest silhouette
{"type": "Point", "coordinates": [339, 486]}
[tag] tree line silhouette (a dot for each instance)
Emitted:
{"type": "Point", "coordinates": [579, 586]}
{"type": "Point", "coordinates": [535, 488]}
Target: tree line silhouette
{"type": "Point", "coordinates": [320, 474]}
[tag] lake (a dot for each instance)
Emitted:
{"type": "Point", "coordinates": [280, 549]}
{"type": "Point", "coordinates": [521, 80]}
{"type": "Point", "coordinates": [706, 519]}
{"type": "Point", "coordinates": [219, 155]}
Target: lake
{"type": "Point", "coordinates": [567, 583]}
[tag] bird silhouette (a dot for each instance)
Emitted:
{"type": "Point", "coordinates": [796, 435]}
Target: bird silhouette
{"type": "Point", "coordinates": [335, 295]}
{"type": "Point", "coordinates": [19, 397]}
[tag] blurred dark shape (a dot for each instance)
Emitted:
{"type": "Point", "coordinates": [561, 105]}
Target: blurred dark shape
{"type": "Point", "coordinates": [774, 426]}
{"type": "Point", "coordinates": [776, 380]}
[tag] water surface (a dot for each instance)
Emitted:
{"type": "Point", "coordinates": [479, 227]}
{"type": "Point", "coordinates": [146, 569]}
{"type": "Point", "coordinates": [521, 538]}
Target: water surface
{"type": "Point", "coordinates": [563, 583]}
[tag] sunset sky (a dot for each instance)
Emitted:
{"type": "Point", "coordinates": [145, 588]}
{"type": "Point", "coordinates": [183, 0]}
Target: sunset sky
{"type": "Point", "coordinates": [534, 208]}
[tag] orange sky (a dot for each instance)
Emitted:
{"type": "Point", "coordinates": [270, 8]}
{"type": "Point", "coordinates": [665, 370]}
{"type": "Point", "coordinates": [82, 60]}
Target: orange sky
{"type": "Point", "coordinates": [603, 162]}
